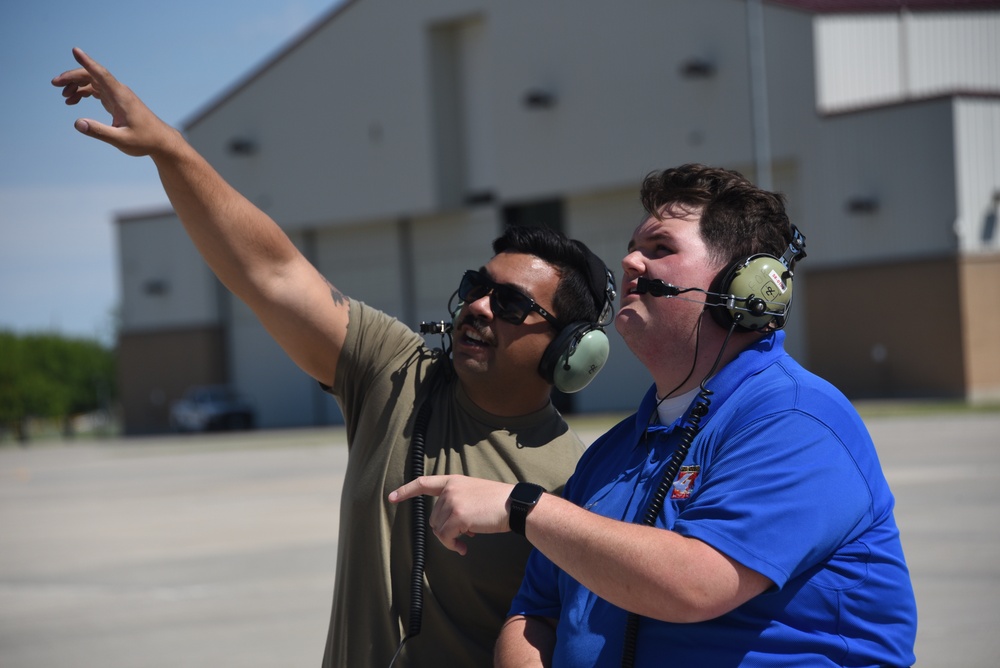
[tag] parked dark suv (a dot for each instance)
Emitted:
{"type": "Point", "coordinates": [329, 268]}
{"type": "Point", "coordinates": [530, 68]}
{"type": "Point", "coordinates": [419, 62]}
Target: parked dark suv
{"type": "Point", "coordinates": [211, 408]}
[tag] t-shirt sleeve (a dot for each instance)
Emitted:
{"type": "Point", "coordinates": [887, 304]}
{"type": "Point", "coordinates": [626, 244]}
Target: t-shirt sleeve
{"type": "Point", "coordinates": [376, 344]}
{"type": "Point", "coordinates": [779, 496]}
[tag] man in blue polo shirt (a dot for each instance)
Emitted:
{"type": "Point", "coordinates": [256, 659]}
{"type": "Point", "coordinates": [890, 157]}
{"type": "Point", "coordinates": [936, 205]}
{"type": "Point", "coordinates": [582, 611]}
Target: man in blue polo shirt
{"type": "Point", "coordinates": [740, 517]}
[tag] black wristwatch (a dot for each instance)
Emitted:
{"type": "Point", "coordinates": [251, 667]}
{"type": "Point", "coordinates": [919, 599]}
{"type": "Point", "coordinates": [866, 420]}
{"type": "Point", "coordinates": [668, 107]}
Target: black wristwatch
{"type": "Point", "coordinates": [523, 498]}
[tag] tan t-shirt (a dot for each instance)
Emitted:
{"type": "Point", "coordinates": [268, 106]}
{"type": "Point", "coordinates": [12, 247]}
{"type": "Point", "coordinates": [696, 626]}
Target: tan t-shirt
{"type": "Point", "coordinates": [383, 370]}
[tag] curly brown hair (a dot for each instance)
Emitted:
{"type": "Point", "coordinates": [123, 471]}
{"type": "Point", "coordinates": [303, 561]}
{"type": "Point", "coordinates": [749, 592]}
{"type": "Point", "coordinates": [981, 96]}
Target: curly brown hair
{"type": "Point", "coordinates": [738, 219]}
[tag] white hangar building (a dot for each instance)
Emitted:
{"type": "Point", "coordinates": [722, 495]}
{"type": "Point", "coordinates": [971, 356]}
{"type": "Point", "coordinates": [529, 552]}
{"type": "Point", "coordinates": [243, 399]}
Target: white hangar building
{"type": "Point", "coordinates": [393, 140]}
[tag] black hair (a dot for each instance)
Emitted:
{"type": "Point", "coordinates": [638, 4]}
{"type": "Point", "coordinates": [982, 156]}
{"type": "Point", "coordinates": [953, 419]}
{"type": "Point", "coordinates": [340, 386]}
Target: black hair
{"type": "Point", "coordinates": [580, 294]}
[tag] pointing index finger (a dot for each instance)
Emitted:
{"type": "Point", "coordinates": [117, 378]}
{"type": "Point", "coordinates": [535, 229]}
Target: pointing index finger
{"type": "Point", "coordinates": [432, 485]}
{"type": "Point", "coordinates": [96, 70]}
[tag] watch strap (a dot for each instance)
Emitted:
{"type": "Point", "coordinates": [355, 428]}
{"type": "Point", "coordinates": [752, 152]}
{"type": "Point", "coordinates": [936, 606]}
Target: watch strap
{"type": "Point", "coordinates": [523, 499]}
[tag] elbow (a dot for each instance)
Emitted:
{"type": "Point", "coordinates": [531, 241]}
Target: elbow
{"type": "Point", "coordinates": [702, 613]}
{"type": "Point", "coordinates": [691, 612]}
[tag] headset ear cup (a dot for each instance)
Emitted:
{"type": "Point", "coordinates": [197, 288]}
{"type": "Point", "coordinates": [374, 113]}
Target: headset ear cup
{"type": "Point", "coordinates": [555, 350]}
{"type": "Point", "coordinates": [574, 357]}
{"type": "Point", "coordinates": [716, 301]}
{"type": "Point", "coordinates": [762, 288]}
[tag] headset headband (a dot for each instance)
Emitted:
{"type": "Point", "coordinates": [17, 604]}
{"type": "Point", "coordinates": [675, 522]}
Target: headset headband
{"type": "Point", "coordinates": [796, 249]}
{"type": "Point", "coordinates": [601, 282]}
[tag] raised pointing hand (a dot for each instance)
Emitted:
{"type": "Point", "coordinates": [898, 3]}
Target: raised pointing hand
{"type": "Point", "coordinates": [134, 129]}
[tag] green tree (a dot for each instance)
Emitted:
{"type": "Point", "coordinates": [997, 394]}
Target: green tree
{"type": "Point", "coordinates": [52, 376]}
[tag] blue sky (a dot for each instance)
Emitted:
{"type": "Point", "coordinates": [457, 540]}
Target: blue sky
{"type": "Point", "coordinates": [59, 190]}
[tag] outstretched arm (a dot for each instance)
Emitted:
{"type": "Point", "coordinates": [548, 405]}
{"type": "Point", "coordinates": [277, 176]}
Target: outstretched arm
{"type": "Point", "coordinates": [247, 250]}
{"type": "Point", "coordinates": [647, 570]}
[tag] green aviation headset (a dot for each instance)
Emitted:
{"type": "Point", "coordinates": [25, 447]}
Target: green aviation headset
{"type": "Point", "coordinates": [580, 349]}
{"type": "Point", "coordinates": [755, 292]}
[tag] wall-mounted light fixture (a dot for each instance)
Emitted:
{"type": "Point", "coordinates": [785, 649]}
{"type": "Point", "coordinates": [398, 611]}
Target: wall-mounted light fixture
{"type": "Point", "coordinates": [862, 204]}
{"type": "Point", "coordinates": [156, 287]}
{"type": "Point", "coordinates": [697, 68]}
{"type": "Point", "coordinates": [242, 146]}
{"type": "Point", "coordinates": [480, 197]}
{"type": "Point", "coordinates": [539, 98]}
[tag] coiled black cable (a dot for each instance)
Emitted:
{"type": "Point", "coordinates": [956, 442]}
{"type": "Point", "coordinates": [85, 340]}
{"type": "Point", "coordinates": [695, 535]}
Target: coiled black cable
{"type": "Point", "coordinates": [418, 514]}
{"type": "Point", "coordinates": [689, 431]}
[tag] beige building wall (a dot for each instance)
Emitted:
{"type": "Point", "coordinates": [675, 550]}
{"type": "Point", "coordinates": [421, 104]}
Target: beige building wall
{"type": "Point", "coordinates": [980, 282]}
{"type": "Point", "coordinates": [889, 330]}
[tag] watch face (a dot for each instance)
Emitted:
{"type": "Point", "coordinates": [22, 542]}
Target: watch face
{"type": "Point", "coordinates": [526, 493]}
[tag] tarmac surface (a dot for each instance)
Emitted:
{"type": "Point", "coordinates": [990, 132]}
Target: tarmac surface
{"type": "Point", "coordinates": [219, 550]}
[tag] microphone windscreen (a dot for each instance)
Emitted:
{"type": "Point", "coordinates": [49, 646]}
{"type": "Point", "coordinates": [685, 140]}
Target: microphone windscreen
{"type": "Point", "coordinates": [655, 287]}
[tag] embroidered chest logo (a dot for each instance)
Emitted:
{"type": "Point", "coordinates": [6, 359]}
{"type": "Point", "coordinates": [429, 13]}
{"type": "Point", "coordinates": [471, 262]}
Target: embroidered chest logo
{"type": "Point", "coordinates": [684, 483]}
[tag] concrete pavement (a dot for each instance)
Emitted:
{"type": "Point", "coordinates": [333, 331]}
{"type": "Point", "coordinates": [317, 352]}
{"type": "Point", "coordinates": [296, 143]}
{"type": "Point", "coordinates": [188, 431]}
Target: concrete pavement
{"type": "Point", "coordinates": [220, 550]}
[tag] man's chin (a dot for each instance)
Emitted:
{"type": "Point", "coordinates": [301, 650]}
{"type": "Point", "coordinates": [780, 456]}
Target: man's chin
{"type": "Point", "coordinates": [627, 320]}
{"type": "Point", "coordinates": [469, 366]}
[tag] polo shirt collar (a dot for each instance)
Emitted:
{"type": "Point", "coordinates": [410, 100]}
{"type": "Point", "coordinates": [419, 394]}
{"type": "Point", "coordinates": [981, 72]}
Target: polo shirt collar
{"type": "Point", "coordinates": [752, 360]}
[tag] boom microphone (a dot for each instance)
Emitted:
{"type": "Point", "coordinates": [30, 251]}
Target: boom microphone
{"type": "Point", "coordinates": [753, 305]}
{"type": "Point", "coordinates": [439, 327]}
{"type": "Point", "coordinates": [655, 287]}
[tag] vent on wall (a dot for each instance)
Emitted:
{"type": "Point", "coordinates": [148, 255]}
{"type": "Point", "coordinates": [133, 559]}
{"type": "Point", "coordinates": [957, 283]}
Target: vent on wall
{"type": "Point", "coordinates": [539, 98]}
{"type": "Point", "coordinates": [862, 204]}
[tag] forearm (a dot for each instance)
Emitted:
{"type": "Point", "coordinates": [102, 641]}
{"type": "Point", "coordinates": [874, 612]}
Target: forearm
{"type": "Point", "coordinates": [525, 642]}
{"type": "Point", "coordinates": [654, 572]}
{"type": "Point", "coordinates": [242, 245]}
{"type": "Point", "coordinates": [256, 260]}
{"type": "Point", "coordinates": [247, 250]}
{"type": "Point", "coordinates": [651, 571]}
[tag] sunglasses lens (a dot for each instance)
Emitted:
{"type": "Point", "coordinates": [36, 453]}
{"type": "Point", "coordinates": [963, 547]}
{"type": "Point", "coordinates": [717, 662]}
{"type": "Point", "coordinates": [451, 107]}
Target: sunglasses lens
{"type": "Point", "coordinates": [506, 303]}
{"type": "Point", "coordinates": [472, 288]}
{"type": "Point", "coordinates": [510, 305]}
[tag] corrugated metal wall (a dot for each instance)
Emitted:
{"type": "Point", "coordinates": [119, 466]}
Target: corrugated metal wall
{"type": "Point", "coordinates": [869, 59]}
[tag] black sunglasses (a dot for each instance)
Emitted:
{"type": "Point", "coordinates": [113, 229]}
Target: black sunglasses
{"type": "Point", "coordinates": [507, 303]}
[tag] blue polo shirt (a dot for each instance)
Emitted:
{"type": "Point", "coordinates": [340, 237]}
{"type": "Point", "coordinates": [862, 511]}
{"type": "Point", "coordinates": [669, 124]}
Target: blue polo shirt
{"type": "Point", "coordinates": [782, 477]}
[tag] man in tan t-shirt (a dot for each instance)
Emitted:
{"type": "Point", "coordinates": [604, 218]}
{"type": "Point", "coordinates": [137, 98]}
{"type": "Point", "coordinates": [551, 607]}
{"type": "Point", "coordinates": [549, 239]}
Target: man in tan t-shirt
{"type": "Point", "coordinates": [530, 318]}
